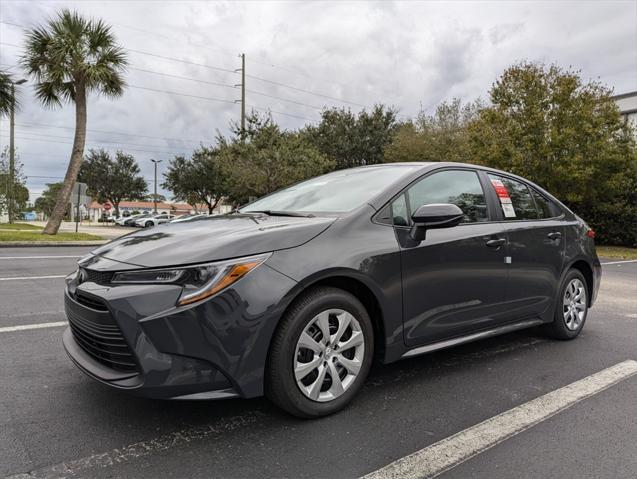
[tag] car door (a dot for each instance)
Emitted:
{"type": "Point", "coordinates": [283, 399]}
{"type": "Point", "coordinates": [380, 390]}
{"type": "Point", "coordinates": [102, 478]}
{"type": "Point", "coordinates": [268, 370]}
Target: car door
{"type": "Point", "coordinates": [535, 233]}
{"type": "Point", "coordinates": [454, 281]}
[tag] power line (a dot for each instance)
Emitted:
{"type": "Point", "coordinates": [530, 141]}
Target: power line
{"type": "Point", "coordinates": [305, 91]}
{"type": "Point", "coordinates": [182, 94]}
{"type": "Point", "coordinates": [185, 140]}
{"type": "Point", "coordinates": [207, 46]}
{"type": "Point", "coordinates": [181, 60]}
{"type": "Point", "coordinates": [220, 100]}
{"type": "Point", "coordinates": [98, 141]}
{"type": "Point", "coordinates": [285, 99]}
{"type": "Point", "coordinates": [302, 90]}
{"type": "Point", "coordinates": [93, 145]}
{"type": "Point", "coordinates": [182, 77]}
{"type": "Point", "coordinates": [147, 180]}
{"type": "Point", "coordinates": [265, 80]}
{"type": "Point", "coordinates": [281, 113]}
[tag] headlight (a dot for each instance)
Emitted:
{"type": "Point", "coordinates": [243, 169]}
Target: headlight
{"type": "Point", "coordinates": [199, 281]}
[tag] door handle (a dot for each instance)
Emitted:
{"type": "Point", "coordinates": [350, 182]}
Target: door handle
{"type": "Point", "coordinates": [496, 243]}
{"type": "Point", "coordinates": [554, 235]}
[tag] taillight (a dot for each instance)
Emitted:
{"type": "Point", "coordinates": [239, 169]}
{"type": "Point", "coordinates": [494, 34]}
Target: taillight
{"type": "Point", "coordinates": [590, 233]}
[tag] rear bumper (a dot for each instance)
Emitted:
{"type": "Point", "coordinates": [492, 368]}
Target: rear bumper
{"type": "Point", "coordinates": [215, 349]}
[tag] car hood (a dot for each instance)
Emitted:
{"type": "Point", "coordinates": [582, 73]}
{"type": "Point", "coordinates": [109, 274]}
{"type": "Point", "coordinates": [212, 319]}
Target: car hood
{"type": "Point", "coordinates": [212, 238]}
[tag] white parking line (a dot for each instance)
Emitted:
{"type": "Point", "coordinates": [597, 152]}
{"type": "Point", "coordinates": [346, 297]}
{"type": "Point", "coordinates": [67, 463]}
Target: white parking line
{"type": "Point", "coordinates": [447, 453]}
{"type": "Point", "coordinates": [37, 257]}
{"type": "Point", "coordinates": [22, 278]}
{"type": "Point", "coordinates": [25, 327]}
{"type": "Point", "coordinates": [620, 262]}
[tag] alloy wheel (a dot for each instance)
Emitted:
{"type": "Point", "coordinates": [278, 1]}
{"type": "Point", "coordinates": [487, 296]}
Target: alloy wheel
{"type": "Point", "coordinates": [574, 304]}
{"type": "Point", "coordinates": [329, 355]}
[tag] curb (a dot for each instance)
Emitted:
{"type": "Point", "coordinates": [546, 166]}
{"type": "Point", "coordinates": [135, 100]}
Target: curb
{"type": "Point", "coordinates": [11, 244]}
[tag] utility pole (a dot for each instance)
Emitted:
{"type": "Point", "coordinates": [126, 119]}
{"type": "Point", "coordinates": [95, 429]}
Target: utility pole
{"type": "Point", "coordinates": [10, 189]}
{"type": "Point", "coordinates": [155, 195]}
{"type": "Point", "coordinates": [243, 93]}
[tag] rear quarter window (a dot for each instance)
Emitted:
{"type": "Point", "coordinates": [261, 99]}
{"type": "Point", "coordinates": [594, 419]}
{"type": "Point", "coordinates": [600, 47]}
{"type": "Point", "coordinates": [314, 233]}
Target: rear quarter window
{"type": "Point", "coordinates": [545, 207]}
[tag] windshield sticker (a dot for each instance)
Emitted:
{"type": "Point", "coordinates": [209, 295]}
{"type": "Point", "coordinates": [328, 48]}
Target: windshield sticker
{"type": "Point", "coordinates": [505, 199]}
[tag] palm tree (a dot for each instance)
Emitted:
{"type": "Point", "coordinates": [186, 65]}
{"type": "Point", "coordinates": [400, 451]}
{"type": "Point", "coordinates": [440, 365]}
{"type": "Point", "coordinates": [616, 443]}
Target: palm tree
{"type": "Point", "coordinates": [69, 58]}
{"type": "Point", "coordinates": [6, 95]}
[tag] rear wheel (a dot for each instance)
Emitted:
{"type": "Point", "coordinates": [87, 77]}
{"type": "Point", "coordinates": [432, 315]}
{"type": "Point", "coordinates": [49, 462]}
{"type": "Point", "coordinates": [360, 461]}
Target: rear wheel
{"type": "Point", "coordinates": [571, 308]}
{"type": "Point", "coordinates": [321, 353]}
{"type": "Point", "coordinates": [149, 224]}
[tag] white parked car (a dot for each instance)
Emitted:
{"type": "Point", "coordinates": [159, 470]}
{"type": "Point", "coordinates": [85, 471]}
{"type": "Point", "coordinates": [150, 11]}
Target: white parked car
{"type": "Point", "coordinates": [123, 219]}
{"type": "Point", "coordinates": [154, 220]}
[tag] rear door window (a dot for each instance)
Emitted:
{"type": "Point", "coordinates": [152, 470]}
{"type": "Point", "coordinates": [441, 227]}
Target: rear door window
{"type": "Point", "coordinates": [515, 198]}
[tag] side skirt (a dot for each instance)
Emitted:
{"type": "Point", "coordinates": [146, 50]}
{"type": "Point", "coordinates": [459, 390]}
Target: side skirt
{"type": "Point", "coordinates": [448, 343]}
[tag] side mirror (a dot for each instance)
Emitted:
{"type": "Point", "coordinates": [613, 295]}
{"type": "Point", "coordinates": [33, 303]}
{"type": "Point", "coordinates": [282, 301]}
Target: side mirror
{"type": "Point", "coordinates": [433, 216]}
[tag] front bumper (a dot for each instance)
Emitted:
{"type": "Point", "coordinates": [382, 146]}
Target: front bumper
{"type": "Point", "coordinates": [133, 338]}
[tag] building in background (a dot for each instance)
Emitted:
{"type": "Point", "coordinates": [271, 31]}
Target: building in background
{"type": "Point", "coordinates": [627, 103]}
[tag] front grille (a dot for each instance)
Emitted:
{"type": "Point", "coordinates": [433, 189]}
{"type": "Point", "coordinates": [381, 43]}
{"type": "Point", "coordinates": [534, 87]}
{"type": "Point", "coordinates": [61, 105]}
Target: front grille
{"type": "Point", "coordinates": [102, 340]}
{"type": "Point", "coordinates": [90, 301]}
{"type": "Point", "coordinates": [97, 277]}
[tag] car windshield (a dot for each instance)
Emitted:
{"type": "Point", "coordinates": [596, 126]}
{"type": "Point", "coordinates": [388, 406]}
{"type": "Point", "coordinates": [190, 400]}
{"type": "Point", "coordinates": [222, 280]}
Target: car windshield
{"type": "Point", "coordinates": [337, 192]}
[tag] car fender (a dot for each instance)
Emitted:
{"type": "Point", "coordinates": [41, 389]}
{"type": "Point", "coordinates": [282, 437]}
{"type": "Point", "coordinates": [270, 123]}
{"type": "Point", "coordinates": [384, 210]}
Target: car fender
{"type": "Point", "coordinates": [392, 342]}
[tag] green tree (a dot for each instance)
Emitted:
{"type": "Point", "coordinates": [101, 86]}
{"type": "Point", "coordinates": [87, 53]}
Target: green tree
{"type": "Point", "coordinates": [69, 58]}
{"type": "Point", "coordinates": [20, 191]}
{"type": "Point", "coordinates": [46, 202]}
{"type": "Point", "coordinates": [353, 140]}
{"type": "Point", "coordinates": [112, 179]}
{"type": "Point", "coordinates": [196, 180]}
{"type": "Point", "coordinates": [567, 135]}
{"type": "Point", "coordinates": [438, 137]}
{"type": "Point", "coordinates": [266, 159]}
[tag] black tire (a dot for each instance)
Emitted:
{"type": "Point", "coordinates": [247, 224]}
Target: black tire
{"type": "Point", "coordinates": [558, 328]}
{"type": "Point", "coordinates": [280, 384]}
{"type": "Point", "coordinates": [148, 224]}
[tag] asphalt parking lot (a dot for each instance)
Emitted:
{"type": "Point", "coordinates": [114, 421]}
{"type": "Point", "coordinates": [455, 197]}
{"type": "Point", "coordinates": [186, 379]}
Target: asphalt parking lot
{"type": "Point", "coordinates": [56, 422]}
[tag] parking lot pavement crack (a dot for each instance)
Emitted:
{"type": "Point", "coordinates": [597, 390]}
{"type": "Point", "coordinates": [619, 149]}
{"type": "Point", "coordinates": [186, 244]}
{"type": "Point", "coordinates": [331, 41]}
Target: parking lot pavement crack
{"type": "Point", "coordinates": [79, 467]}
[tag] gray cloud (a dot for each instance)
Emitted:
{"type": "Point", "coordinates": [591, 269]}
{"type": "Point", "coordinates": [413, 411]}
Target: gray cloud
{"type": "Point", "coordinates": [399, 53]}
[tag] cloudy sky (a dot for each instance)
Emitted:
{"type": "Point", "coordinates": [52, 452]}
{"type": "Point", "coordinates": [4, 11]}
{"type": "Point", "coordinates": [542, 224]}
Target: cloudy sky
{"type": "Point", "coordinates": [301, 57]}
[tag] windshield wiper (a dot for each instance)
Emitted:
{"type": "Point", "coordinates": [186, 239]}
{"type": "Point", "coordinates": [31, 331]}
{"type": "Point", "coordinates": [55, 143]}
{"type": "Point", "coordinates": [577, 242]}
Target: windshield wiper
{"type": "Point", "coordinates": [282, 213]}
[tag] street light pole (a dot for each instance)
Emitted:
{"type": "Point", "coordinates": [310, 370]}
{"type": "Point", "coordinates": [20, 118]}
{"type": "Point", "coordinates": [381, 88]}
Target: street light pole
{"type": "Point", "coordinates": [155, 195]}
{"type": "Point", "coordinates": [10, 188]}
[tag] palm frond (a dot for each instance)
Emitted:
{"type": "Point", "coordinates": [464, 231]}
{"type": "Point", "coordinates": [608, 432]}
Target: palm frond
{"type": "Point", "coordinates": [6, 98]}
{"type": "Point", "coordinates": [48, 94]}
{"type": "Point", "coordinates": [71, 50]}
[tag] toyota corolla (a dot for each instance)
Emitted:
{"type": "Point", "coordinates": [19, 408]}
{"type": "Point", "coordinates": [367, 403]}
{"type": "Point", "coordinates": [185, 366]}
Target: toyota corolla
{"type": "Point", "coordinates": [295, 294]}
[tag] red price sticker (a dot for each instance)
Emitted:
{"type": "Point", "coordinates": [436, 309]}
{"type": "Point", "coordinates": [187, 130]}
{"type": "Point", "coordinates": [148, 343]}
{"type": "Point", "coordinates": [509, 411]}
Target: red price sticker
{"type": "Point", "coordinates": [500, 189]}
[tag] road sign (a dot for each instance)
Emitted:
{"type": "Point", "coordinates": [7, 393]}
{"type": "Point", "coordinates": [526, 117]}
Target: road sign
{"type": "Point", "coordinates": [79, 189]}
{"type": "Point", "coordinates": [79, 197]}
{"type": "Point", "coordinates": [107, 206]}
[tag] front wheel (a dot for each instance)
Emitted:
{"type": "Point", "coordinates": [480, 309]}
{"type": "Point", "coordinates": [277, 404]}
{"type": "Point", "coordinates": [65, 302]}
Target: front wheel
{"type": "Point", "coordinates": [320, 354]}
{"type": "Point", "coordinates": [571, 308]}
{"type": "Point", "coordinates": [149, 224]}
